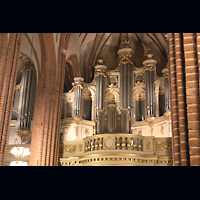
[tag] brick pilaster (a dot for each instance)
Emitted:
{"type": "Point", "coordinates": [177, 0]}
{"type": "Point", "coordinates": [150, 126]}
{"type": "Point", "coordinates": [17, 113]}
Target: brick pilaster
{"type": "Point", "coordinates": [192, 92]}
{"type": "Point", "coordinates": [48, 103]}
{"type": "Point", "coordinates": [10, 49]}
{"type": "Point", "coordinates": [174, 102]}
{"type": "Point", "coordinates": [180, 83]}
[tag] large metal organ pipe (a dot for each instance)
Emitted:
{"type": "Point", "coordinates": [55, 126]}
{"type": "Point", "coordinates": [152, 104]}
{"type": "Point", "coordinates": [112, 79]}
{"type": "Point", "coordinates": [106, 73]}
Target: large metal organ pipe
{"type": "Point", "coordinates": [150, 73]}
{"type": "Point", "coordinates": [100, 82]}
{"type": "Point", "coordinates": [126, 67]}
{"type": "Point", "coordinates": [27, 99]}
{"type": "Point", "coordinates": [166, 83]}
{"type": "Point", "coordinates": [77, 97]}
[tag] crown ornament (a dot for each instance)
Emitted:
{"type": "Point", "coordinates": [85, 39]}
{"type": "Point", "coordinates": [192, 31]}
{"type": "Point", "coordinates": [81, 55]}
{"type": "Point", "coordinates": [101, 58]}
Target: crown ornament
{"type": "Point", "coordinates": [100, 61]}
{"type": "Point", "coordinates": [148, 54]}
{"type": "Point", "coordinates": [125, 44]}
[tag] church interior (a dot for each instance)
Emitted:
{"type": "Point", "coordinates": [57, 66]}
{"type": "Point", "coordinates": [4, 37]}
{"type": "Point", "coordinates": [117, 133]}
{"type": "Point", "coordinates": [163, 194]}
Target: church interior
{"type": "Point", "coordinates": [99, 99]}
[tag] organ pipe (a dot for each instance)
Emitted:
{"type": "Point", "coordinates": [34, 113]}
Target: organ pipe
{"type": "Point", "coordinates": [100, 84]}
{"type": "Point", "coordinates": [77, 97]}
{"type": "Point", "coordinates": [167, 99]}
{"type": "Point", "coordinates": [166, 83]}
{"type": "Point", "coordinates": [126, 66]}
{"type": "Point", "coordinates": [150, 72]}
{"type": "Point", "coordinates": [27, 99]}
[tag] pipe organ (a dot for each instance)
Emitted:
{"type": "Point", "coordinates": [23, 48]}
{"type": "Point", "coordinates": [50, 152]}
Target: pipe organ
{"type": "Point", "coordinates": [125, 100]}
{"type": "Point", "coordinates": [24, 101]}
{"type": "Point", "coordinates": [121, 118]}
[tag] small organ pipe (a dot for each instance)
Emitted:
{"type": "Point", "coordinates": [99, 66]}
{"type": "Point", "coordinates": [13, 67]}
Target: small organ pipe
{"type": "Point", "coordinates": [100, 91]}
{"type": "Point", "coordinates": [167, 103]}
{"type": "Point", "coordinates": [125, 85]}
{"type": "Point", "coordinates": [121, 86]}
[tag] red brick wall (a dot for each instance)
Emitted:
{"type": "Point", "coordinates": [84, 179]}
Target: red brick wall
{"type": "Point", "coordinates": [48, 104]}
{"type": "Point", "coordinates": [184, 67]}
{"type": "Point", "coordinates": [9, 57]}
{"type": "Point", "coordinates": [192, 92]}
{"type": "Point", "coordinates": [184, 88]}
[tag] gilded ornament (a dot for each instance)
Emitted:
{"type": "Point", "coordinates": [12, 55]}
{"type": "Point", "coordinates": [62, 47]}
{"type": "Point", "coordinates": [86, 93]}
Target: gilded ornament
{"type": "Point", "coordinates": [100, 61]}
{"type": "Point", "coordinates": [67, 148]}
{"type": "Point", "coordinates": [162, 130]}
{"type": "Point", "coordinates": [163, 146]}
{"type": "Point", "coordinates": [148, 145]}
{"type": "Point", "coordinates": [125, 44]}
{"type": "Point", "coordinates": [80, 147]}
{"type": "Point", "coordinates": [148, 54]}
{"type": "Point", "coordinates": [110, 84]}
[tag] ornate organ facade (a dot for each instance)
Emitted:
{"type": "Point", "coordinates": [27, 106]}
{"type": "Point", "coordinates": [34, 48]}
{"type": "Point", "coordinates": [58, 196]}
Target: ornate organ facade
{"type": "Point", "coordinates": [121, 118]}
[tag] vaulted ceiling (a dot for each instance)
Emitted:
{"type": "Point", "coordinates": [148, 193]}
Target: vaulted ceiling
{"type": "Point", "coordinates": [82, 49]}
{"type": "Point", "coordinates": [90, 46]}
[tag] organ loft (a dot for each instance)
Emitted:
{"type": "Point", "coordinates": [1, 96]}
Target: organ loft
{"type": "Point", "coordinates": [125, 110]}
{"type": "Point", "coordinates": [99, 99]}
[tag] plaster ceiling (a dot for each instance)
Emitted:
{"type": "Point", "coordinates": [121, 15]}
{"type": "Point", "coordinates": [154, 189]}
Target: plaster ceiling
{"type": "Point", "coordinates": [90, 46]}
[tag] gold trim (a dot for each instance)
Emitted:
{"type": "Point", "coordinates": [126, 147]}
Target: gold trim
{"type": "Point", "coordinates": [28, 62]}
{"type": "Point", "coordinates": [100, 61]}
{"type": "Point", "coordinates": [17, 87]}
{"type": "Point", "coordinates": [23, 133]}
{"type": "Point", "coordinates": [125, 44]}
{"type": "Point", "coordinates": [112, 85]}
{"type": "Point", "coordinates": [100, 73]}
{"type": "Point", "coordinates": [167, 114]}
{"type": "Point", "coordinates": [120, 154]}
{"type": "Point", "coordinates": [150, 119]}
{"type": "Point", "coordinates": [149, 54]}
{"type": "Point", "coordinates": [78, 85]}
{"type": "Point", "coordinates": [77, 119]}
{"type": "Point", "coordinates": [12, 124]}
{"type": "Point", "coordinates": [138, 82]}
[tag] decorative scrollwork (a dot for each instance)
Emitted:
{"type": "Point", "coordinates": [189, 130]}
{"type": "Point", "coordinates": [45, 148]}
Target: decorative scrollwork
{"type": "Point", "coordinates": [67, 148]}
{"type": "Point", "coordinates": [163, 146]}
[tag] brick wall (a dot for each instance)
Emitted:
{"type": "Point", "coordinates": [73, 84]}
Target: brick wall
{"type": "Point", "coordinates": [9, 57]}
{"type": "Point", "coordinates": [48, 105]}
{"type": "Point", "coordinates": [184, 68]}
{"type": "Point", "coordinates": [184, 92]}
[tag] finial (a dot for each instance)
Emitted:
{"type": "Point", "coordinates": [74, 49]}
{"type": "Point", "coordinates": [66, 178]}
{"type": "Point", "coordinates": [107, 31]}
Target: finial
{"type": "Point", "coordinates": [125, 44]}
{"type": "Point", "coordinates": [100, 61]}
{"type": "Point", "coordinates": [148, 54]}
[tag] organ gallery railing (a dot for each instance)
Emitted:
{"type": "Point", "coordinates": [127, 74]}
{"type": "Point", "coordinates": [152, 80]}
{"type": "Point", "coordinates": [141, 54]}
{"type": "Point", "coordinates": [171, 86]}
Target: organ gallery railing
{"type": "Point", "coordinates": [117, 143]}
